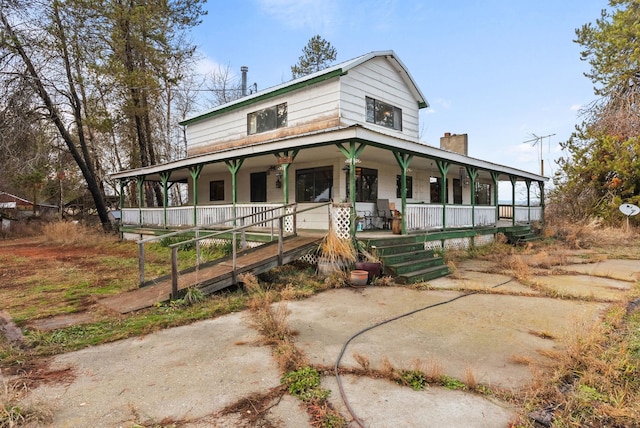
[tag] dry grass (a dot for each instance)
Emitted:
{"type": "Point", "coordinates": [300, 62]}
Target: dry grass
{"type": "Point", "coordinates": [362, 360]}
{"type": "Point", "coordinates": [336, 249]}
{"type": "Point", "coordinates": [13, 412]}
{"type": "Point", "coordinates": [595, 379]}
{"type": "Point", "coordinates": [70, 233]}
{"type": "Point", "coordinates": [470, 379]}
{"type": "Point", "coordinates": [270, 320]}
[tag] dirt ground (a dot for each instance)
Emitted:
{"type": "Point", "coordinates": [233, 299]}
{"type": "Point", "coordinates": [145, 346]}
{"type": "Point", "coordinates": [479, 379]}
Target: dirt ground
{"type": "Point", "coordinates": [187, 376]}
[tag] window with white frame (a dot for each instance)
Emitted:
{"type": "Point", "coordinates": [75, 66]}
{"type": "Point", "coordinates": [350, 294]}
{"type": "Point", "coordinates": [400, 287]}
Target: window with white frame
{"type": "Point", "coordinates": [267, 119]}
{"type": "Point", "coordinates": [383, 114]}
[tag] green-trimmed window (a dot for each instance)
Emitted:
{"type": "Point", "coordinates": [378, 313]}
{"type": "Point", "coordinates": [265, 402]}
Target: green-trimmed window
{"type": "Point", "coordinates": [267, 119]}
{"type": "Point", "coordinates": [383, 114]}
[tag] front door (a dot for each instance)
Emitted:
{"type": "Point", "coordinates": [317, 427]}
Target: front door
{"type": "Point", "coordinates": [259, 187]}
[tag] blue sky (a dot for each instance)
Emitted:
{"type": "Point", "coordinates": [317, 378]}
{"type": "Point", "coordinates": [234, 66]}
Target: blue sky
{"type": "Point", "coordinates": [498, 70]}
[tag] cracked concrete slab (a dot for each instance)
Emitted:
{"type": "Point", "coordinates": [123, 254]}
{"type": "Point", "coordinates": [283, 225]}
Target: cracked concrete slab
{"type": "Point", "coordinates": [190, 373]}
{"type": "Point", "coordinates": [624, 270]}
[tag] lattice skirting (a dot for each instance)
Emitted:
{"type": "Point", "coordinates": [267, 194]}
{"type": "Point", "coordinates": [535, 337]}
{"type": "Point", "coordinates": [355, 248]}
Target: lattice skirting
{"type": "Point", "coordinates": [460, 243]}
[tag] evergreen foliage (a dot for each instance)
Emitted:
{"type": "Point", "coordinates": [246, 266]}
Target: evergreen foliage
{"type": "Point", "coordinates": [601, 168]}
{"type": "Point", "coordinates": [317, 55]}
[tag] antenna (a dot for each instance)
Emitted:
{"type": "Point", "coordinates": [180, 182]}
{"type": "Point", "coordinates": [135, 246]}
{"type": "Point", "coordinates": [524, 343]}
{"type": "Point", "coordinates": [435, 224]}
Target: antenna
{"type": "Point", "coordinates": [535, 140]}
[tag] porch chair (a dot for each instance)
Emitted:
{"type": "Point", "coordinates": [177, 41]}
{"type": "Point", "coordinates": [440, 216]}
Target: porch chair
{"type": "Point", "coordinates": [384, 212]}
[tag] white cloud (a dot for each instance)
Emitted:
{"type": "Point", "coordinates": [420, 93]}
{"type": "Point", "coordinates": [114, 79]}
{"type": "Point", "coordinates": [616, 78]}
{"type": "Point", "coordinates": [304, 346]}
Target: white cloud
{"type": "Point", "coordinates": [319, 16]}
{"type": "Point", "coordinates": [575, 107]}
{"type": "Point", "coordinates": [444, 103]}
{"type": "Point", "coordinates": [206, 65]}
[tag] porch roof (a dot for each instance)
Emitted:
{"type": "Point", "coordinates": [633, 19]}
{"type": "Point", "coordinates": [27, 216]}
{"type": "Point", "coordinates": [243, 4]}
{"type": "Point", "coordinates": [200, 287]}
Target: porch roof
{"type": "Point", "coordinates": [314, 144]}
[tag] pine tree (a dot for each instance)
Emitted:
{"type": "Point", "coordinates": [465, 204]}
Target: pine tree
{"type": "Point", "coordinates": [317, 55]}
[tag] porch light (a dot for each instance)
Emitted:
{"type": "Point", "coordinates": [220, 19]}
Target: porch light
{"type": "Point", "coordinates": [278, 182]}
{"type": "Point", "coordinates": [463, 176]}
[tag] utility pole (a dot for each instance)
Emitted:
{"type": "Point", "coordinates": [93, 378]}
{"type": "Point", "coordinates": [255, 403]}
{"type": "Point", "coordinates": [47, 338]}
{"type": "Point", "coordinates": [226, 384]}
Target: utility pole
{"type": "Point", "coordinates": [538, 140]}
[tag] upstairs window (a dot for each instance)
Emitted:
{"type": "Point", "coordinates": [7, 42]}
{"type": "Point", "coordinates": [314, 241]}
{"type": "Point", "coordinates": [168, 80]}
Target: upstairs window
{"type": "Point", "coordinates": [267, 119]}
{"type": "Point", "coordinates": [384, 114]}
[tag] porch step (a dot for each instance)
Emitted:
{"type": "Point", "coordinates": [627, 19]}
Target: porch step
{"type": "Point", "coordinates": [520, 238]}
{"type": "Point", "coordinates": [424, 274]}
{"type": "Point", "coordinates": [407, 260]}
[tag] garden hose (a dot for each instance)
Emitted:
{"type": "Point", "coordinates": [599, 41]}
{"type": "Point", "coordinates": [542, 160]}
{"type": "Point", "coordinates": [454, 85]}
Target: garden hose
{"type": "Point", "coordinates": [344, 347]}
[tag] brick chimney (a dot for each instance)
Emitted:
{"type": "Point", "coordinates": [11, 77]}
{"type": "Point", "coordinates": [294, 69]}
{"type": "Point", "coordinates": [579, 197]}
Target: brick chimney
{"type": "Point", "coordinates": [455, 143]}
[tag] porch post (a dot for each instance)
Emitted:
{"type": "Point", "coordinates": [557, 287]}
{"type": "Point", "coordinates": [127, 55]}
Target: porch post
{"type": "Point", "coordinates": [352, 154]}
{"type": "Point", "coordinates": [140, 183]}
{"type": "Point", "coordinates": [285, 173]}
{"type": "Point", "coordinates": [443, 167]}
{"type": "Point", "coordinates": [195, 171]}
{"type": "Point", "coordinates": [495, 176]}
{"type": "Point", "coordinates": [164, 177]}
{"type": "Point", "coordinates": [122, 184]}
{"type": "Point", "coordinates": [513, 180]}
{"type": "Point", "coordinates": [234, 166]}
{"type": "Point", "coordinates": [403, 160]}
{"type": "Point", "coordinates": [473, 175]}
{"type": "Point", "coordinates": [542, 204]}
{"type": "Point", "coordinates": [528, 183]}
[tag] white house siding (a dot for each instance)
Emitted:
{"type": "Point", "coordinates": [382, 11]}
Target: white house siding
{"type": "Point", "coordinates": [308, 109]}
{"type": "Point", "coordinates": [377, 79]}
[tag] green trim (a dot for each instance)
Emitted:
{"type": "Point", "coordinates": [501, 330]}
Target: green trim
{"type": "Point", "coordinates": [496, 176]}
{"type": "Point", "coordinates": [528, 183]}
{"type": "Point", "coordinates": [234, 166]}
{"type": "Point", "coordinates": [164, 178]}
{"type": "Point", "coordinates": [140, 184]}
{"type": "Point", "coordinates": [195, 171]}
{"type": "Point", "coordinates": [351, 154]}
{"type": "Point", "coordinates": [473, 175]}
{"type": "Point", "coordinates": [285, 173]}
{"type": "Point", "coordinates": [513, 180]}
{"type": "Point", "coordinates": [264, 97]}
{"type": "Point", "coordinates": [542, 204]}
{"type": "Point", "coordinates": [443, 167]}
{"type": "Point", "coordinates": [403, 160]}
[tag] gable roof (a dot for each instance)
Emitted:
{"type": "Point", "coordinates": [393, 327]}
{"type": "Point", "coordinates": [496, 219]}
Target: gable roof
{"type": "Point", "coordinates": [313, 78]}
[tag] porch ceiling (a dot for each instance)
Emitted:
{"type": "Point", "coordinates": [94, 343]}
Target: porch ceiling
{"type": "Point", "coordinates": [321, 146]}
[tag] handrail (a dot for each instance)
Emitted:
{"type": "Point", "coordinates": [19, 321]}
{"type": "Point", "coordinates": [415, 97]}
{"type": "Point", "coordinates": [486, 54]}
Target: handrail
{"type": "Point", "coordinates": [233, 231]}
{"type": "Point", "coordinates": [195, 229]}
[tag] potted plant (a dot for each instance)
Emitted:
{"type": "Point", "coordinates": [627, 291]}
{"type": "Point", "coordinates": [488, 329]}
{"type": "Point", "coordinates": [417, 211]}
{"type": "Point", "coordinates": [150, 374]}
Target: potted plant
{"type": "Point", "coordinates": [368, 261]}
{"type": "Point", "coordinates": [335, 254]}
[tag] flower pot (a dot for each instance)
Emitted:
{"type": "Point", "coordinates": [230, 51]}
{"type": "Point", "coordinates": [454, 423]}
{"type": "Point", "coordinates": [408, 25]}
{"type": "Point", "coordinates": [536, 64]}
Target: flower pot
{"type": "Point", "coordinates": [359, 277]}
{"type": "Point", "coordinates": [329, 267]}
{"type": "Point", "coordinates": [373, 268]}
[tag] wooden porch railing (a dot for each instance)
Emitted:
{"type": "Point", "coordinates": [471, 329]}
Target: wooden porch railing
{"type": "Point", "coordinates": [429, 216]}
{"type": "Point", "coordinates": [206, 215]}
{"type": "Point", "coordinates": [266, 216]}
{"type": "Point", "coordinates": [523, 214]}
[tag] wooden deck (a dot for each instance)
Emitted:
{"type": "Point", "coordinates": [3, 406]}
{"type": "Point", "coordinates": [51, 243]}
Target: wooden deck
{"type": "Point", "coordinates": [213, 276]}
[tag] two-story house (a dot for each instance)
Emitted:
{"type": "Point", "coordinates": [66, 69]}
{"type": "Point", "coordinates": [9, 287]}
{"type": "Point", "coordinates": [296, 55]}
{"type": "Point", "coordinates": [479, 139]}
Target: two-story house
{"type": "Point", "coordinates": [348, 133]}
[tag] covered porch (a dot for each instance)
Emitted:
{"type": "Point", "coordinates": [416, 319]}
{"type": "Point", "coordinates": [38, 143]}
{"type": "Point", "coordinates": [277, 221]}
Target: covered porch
{"type": "Point", "coordinates": [373, 179]}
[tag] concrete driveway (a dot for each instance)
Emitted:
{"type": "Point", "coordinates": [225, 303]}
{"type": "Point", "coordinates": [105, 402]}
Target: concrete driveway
{"type": "Point", "coordinates": [187, 375]}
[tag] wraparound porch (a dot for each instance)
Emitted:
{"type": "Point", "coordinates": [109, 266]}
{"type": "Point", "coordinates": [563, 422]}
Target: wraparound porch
{"type": "Point", "coordinates": [418, 217]}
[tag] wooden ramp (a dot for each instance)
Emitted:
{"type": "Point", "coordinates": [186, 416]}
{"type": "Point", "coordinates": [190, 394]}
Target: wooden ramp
{"type": "Point", "coordinates": [215, 276]}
